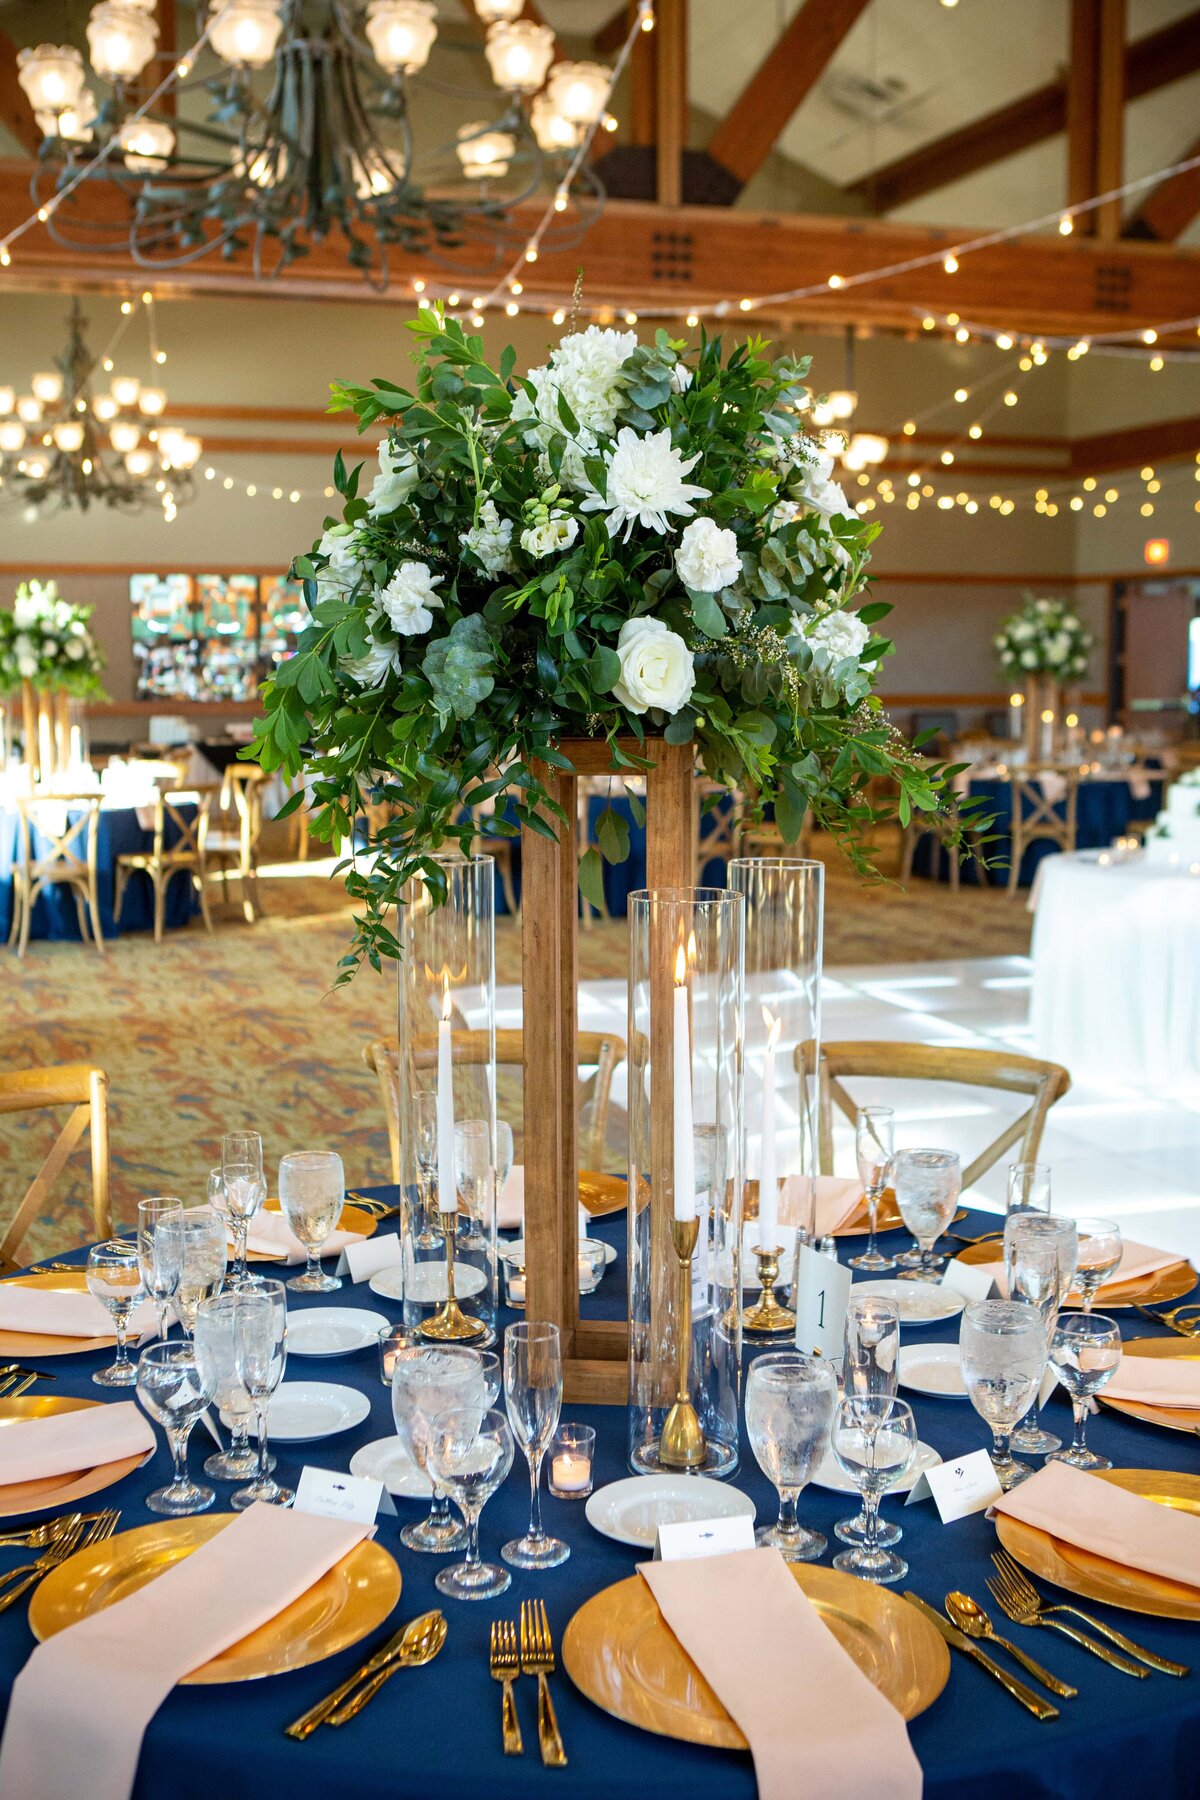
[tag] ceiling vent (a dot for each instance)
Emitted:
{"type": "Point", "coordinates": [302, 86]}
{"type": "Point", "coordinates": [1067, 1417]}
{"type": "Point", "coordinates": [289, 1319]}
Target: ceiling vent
{"type": "Point", "coordinates": [873, 100]}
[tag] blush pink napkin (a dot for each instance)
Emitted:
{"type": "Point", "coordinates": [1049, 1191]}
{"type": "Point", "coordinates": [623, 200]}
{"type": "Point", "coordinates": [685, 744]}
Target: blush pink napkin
{"type": "Point", "coordinates": [836, 1200]}
{"type": "Point", "coordinates": [1153, 1383]}
{"type": "Point", "coordinates": [1136, 1260]}
{"type": "Point", "coordinates": [510, 1208]}
{"type": "Point", "coordinates": [81, 1704]}
{"type": "Point", "coordinates": [271, 1235]}
{"type": "Point", "coordinates": [1096, 1516]}
{"type": "Point", "coordinates": [65, 1442]}
{"type": "Point", "coordinates": [814, 1722]}
{"type": "Point", "coordinates": [47, 1312]}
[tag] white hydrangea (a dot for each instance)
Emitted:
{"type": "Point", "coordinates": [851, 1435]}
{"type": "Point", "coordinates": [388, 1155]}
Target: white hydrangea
{"type": "Point", "coordinates": [409, 599]}
{"type": "Point", "coordinates": [490, 540]}
{"type": "Point", "coordinates": [645, 483]}
{"type": "Point", "coordinates": [586, 369]}
{"type": "Point", "coordinates": [842, 634]}
{"type": "Point", "coordinates": [707, 558]}
{"type": "Point", "coordinates": [398, 475]}
{"type": "Point", "coordinates": [373, 668]}
{"type": "Point", "coordinates": [557, 533]}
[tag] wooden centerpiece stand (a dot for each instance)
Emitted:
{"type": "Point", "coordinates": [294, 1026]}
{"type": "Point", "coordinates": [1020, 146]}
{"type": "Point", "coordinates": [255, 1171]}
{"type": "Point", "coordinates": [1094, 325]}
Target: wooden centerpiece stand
{"type": "Point", "coordinates": [47, 728]}
{"type": "Point", "coordinates": [595, 1352]}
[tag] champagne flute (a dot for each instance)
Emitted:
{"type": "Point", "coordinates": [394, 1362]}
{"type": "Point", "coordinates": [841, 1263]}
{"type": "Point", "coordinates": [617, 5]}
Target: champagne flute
{"type": "Point", "coordinates": [1099, 1256]}
{"type": "Point", "coordinates": [927, 1184]}
{"type": "Point", "coordinates": [424, 1116]}
{"type": "Point", "coordinates": [874, 1440]}
{"type": "Point", "coordinates": [874, 1144]}
{"type": "Point", "coordinates": [474, 1176]}
{"type": "Point", "coordinates": [158, 1256]}
{"type": "Point", "coordinates": [428, 1379]}
{"type": "Point", "coordinates": [1002, 1347]}
{"type": "Point", "coordinates": [242, 1190]}
{"type": "Point", "coordinates": [312, 1193]}
{"type": "Point", "coordinates": [260, 1356]}
{"type": "Point", "coordinates": [1085, 1351]}
{"type": "Point", "coordinates": [200, 1237]}
{"type": "Point", "coordinates": [212, 1337]}
{"type": "Point", "coordinates": [173, 1391]}
{"type": "Point", "coordinates": [114, 1277]}
{"type": "Point", "coordinates": [1028, 1188]}
{"type": "Point", "coordinates": [1039, 1254]}
{"type": "Point", "coordinates": [470, 1452]}
{"type": "Point", "coordinates": [533, 1391]}
{"type": "Point", "coordinates": [871, 1348]}
{"type": "Point", "coordinates": [790, 1401]}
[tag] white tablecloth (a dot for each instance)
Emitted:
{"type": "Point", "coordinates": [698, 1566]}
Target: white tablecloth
{"type": "Point", "coordinates": [1116, 972]}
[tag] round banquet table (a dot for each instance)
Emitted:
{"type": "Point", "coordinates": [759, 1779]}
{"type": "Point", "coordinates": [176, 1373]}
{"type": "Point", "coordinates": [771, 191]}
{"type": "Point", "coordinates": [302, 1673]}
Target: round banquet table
{"type": "Point", "coordinates": [436, 1731]}
{"type": "Point", "coordinates": [120, 833]}
{"type": "Point", "coordinates": [1116, 971]}
{"type": "Point", "coordinates": [1106, 805]}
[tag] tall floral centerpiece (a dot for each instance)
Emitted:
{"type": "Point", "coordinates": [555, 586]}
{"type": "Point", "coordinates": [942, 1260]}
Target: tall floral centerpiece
{"type": "Point", "coordinates": [49, 656]}
{"type": "Point", "coordinates": [1046, 646]}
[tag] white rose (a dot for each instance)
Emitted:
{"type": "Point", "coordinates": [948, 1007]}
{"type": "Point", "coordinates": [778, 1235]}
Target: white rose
{"type": "Point", "coordinates": [398, 475]}
{"type": "Point", "coordinates": [26, 613]}
{"type": "Point", "coordinates": [26, 667]}
{"type": "Point", "coordinates": [707, 557]}
{"type": "Point", "coordinates": [408, 598]}
{"type": "Point", "coordinates": [558, 533]}
{"type": "Point", "coordinates": [1029, 659]}
{"type": "Point", "coordinates": [656, 667]}
{"type": "Point", "coordinates": [74, 649]}
{"type": "Point", "coordinates": [681, 378]}
{"type": "Point", "coordinates": [842, 634]}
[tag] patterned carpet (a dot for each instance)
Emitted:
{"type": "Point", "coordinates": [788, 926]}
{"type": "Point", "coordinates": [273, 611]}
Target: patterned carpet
{"type": "Point", "coordinates": [203, 1035]}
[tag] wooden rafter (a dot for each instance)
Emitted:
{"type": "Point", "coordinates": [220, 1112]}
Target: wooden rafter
{"type": "Point", "coordinates": [747, 134]}
{"type": "Point", "coordinates": [1169, 209]}
{"type": "Point", "coordinates": [1096, 111]}
{"type": "Point", "coordinates": [670, 98]}
{"type": "Point", "coordinates": [16, 114]}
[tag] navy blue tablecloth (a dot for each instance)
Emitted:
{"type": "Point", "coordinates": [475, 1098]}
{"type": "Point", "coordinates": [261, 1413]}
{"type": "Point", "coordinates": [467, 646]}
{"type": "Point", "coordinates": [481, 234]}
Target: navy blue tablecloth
{"type": "Point", "coordinates": [1105, 810]}
{"type": "Point", "coordinates": [436, 1731]}
{"type": "Point", "coordinates": [120, 834]}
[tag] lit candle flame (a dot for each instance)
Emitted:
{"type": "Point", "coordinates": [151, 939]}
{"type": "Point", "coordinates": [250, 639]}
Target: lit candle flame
{"type": "Point", "coordinates": [680, 967]}
{"type": "Point", "coordinates": [774, 1026]}
{"type": "Point", "coordinates": [445, 993]}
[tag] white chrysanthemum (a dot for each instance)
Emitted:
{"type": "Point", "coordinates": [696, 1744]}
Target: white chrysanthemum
{"type": "Point", "coordinates": [656, 667]}
{"type": "Point", "coordinates": [707, 558]}
{"type": "Point", "coordinates": [490, 540]}
{"type": "Point", "coordinates": [409, 599]}
{"type": "Point", "coordinates": [645, 483]}
{"type": "Point", "coordinates": [373, 668]}
{"type": "Point", "coordinates": [398, 475]}
{"type": "Point", "coordinates": [841, 633]}
{"type": "Point", "coordinates": [557, 533]}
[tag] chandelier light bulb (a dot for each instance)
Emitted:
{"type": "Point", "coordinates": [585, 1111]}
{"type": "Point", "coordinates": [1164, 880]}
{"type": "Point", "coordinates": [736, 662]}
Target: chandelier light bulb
{"type": "Point", "coordinates": [372, 178]}
{"type": "Point", "coordinates": [52, 76]}
{"type": "Point", "coordinates": [139, 463]}
{"type": "Point", "coordinates": [492, 10]}
{"type": "Point", "coordinates": [124, 437]}
{"type": "Point", "coordinates": [867, 447]}
{"type": "Point", "coordinates": [36, 467]}
{"type": "Point", "coordinates": [484, 154]}
{"type": "Point", "coordinates": [72, 122]}
{"type": "Point", "coordinates": [125, 389]}
{"type": "Point", "coordinates": [68, 435]}
{"type": "Point", "coordinates": [580, 91]}
{"type": "Point", "coordinates": [48, 386]}
{"type": "Point", "coordinates": [244, 33]}
{"type": "Point", "coordinates": [152, 401]}
{"type": "Point", "coordinates": [519, 54]}
{"type": "Point", "coordinates": [105, 408]}
{"type": "Point", "coordinates": [8, 399]}
{"type": "Point", "coordinates": [842, 403]}
{"type": "Point", "coordinates": [12, 436]}
{"type": "Point", "coordinates": [187, 451]}
{"type": "Point", "coordinates": [121, 38]}
{"type": "Point", "coordinates": [401, 33]}
{"type": "Point", "coordinates": [147, 143]}
{"type": "Point", "coordinates": [553, 132]}
{"type": "Point", "coordinates": [29, 409]}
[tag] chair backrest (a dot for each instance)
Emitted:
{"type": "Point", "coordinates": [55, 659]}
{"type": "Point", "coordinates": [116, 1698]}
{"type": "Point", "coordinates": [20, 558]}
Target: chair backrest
{"type": "Point", "coordinates": [85, 1090]}
{"type": "Point", "coordinates": [72, 842]}
{"type": "Point", "coordinates": [1037, 795]}
{"type": "Point", "coordinates": [241, 792]}
{"type": "Point", "coordinates": [593, 1049]}
{"type": "Point", "coordinates": [1043, 1082]}
{"type": "Point", "coordinates": [186, 813]}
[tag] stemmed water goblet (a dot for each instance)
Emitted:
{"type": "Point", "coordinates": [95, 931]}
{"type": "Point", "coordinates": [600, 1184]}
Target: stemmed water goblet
{"type": "Point", "coordinates": [1099, 1256]}
{"type": "Point", "coordinates": [114, 1277]}
{"type": "Point", "coordinates": [1085, 1350]}
{"type": "Point", "coordinates": [874, 1440]}
{"type": "Point", "coordinates": [158, 1253]}
{"type": "Point", "coordinates": [533, 1391]}
{"type": "Point", "coordinates": [870, 1365]}
{"type": "Point", "coordinates": [428, 1379]}
{"type": "Point", "coordinates": [470, 1452]}
{"type": "Point", "coordinates": [927, 1184]}
{"type": "Point", "coordinates": [790, 1401]}
{"type": "Point", "coordinates": [1002, 1347]}
{"type": "Point", "coordinates": [239, 1192]}
{"type": "Point", "coordinates": [474, 1177]}
{"type": "Point", "coordinates": [260, 1356]}
{"type": "Point", "coordinates": [213, 1339]}
{"type": "Point", "coordinates": [874, 1145]}
{"type": "Point", "coordinates": [174, 1391]}
{"type": "Point", "coordinates": [197, 1238]}
{"type": "Point", "coordinates": [1039, 1256]}
{"type": "Point", "coordinates": [1028, 1188]}
{"type": "Point", "coordinates": [312, 1193]}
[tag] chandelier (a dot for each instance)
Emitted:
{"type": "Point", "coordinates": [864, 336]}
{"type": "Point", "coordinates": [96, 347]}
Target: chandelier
{"type": "Point", "coordinates": [63, 444]}
{"type": "Point", "coordinates": [290, 121]}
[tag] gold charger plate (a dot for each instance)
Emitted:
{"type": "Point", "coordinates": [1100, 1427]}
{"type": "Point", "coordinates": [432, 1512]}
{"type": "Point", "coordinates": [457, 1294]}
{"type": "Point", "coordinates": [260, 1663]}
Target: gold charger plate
{"type": "Point", "coordinates": [355, 1596]}
{"type": "Point", "coordinates": [1169, 1283]}
{"type": "Point", "coordinates": [354, 1218]}
{"type": "Point", "coordinates": [1173, 1418]}
{"type": "Point", "coordinates": [50, 1493]}
{"type": "Point", "coordinates": [600, 1194]}
{"type": "Point", "coordinates": [619, 1651]}
{"type": "Point", "coordinates": [15, 1344]}
{"type": "Point", "coordinates": [1095, 1577]}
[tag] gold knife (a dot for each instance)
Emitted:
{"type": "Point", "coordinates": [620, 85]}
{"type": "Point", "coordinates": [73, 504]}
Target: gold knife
{"type": "Point", "coordinates": [1041, 1709]}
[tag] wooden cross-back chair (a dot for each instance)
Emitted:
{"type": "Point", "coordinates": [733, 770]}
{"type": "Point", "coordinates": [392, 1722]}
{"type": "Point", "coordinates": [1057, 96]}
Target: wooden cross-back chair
{"type": "Point", "coordinates": [942, 826]}
{"type": "Point", "coordinates": [232, 840]}
{"type": "Point", "coordinates": [85, 1090]}
{"type": "Point", "coordinates": [68, 859]}
{"type": "Point", "coordinates": [1042, 1082]}
{"type": "Point", "coordinates": [1036, 818]}
{"type": "Point", "coordinates": [597, 1050]}
{"type": "Point", "coordinates": [185, 813]}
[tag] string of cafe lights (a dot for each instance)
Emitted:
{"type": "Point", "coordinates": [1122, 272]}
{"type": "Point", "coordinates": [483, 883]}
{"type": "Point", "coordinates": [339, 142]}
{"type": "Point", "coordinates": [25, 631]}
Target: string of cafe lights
{"type": "Point", "coordinates": [1051, 497]}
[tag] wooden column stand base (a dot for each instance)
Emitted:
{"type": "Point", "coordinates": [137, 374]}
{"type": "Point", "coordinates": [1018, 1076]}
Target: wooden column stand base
{"type": "Point", "coordinates": [595, 1352]}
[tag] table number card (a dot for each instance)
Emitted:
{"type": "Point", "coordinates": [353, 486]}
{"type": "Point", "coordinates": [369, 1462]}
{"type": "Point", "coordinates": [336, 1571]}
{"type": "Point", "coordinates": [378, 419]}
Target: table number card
{"type": "Point", "coordinates": [354, 1498]}
{"type": "Point", "coordinates": [685, 1539]}
{"type": "Point", "coordinates": [361, 1261]}
{"type": "Point", "coordinates": [967, 1485]}
{"type": "Point", "coordinates": [820, 1298]}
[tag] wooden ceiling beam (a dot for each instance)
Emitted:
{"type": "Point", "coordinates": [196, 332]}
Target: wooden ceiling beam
{"type": "Point", "coordinates": [670, 98]}
{"type": "Point", "coordinates": [608, 40]}
{"type": "Point", "coordinates": [750, 129]}
{"type": "Point", "coordinates": [16, 114]}
{"type": "Point", "coordinates": [1169, 209]}
{"type": "Point", "coordinates": [1169, 440]}
{"type": "Point", "coordinates": [1096, 112]}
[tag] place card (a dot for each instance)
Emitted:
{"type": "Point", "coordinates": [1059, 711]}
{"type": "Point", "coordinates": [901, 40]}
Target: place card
{"type": "Point", "coordinates": [355, 1498]}
{"type": "Point", "coordinates": [685, 1539]}
{"type": "Point", "coordinates": [967, 1485]}
{"type": "Point", "coordinates": [820, 1297]}
{"type": "Point", "coordinates": [974, 1281]}
{"type": "Point", "coordinates": [361, 1261]}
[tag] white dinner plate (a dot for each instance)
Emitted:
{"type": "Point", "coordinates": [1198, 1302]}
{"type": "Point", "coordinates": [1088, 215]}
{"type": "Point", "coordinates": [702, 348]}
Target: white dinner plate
{"type": "Point", "coordinates": [333, 1330]}
{"type": "Point", "coordinates": [426, 1282]}
{"type": "Point", "coordinates": [931, 1369]}
{"type": "Point", "coordinates": [388, 1461]}
{"type": "Point", "coordinates": [299, 1412]}
{"type": "Point", "coordinates": [631, 1511]}
{"type": "Point", "coordinates": [918, 1302]}
{"type": "Point", "coordinates": [514, 1250]}
{"type": "Point", "coordinates": [830, 1474]}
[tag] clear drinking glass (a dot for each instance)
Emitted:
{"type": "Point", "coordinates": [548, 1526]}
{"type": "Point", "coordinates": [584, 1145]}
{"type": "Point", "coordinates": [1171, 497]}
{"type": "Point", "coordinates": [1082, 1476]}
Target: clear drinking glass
{"type": "Point", "coordinates": [1039, 1255]}
{"type": "Point", "coordinates": [428, 1379]}
{"type": "Point", "coordinates": [312, 1193]}
{"type": "Point", "coordinates": [470, 1452]}
{"type": "Point", "coordinates": [927, 1184]}
{"type": "Point", "coordinates": [173, 1390]}
{"type": "Point", "coordinates": [260, 1356]}
{"type": "Point", "coordinates": [1085, 1351]}
{"type": "Point", "coordinates": [1028, 1188]}
{"type": "Point", "coordinates": [1002, 1346]}
{"type": "Point", "coordinates": [242, 1190]}
{"type": "Point", "coordinates": [874, 1145]}
{"type": "Point", "coordinates": [790, 1401]}
{"type": "Point", "coordinates": [533, 1392]}
{"type": "Point", "coordinates": [158, 1256]}
{"type": "Point", "coordinates": [114, 1277]}
{"type": "Point", "coordinates": [1099, 1256]}
{"type": "Point", "coordinates": [212, 1337]}
{"type": "Point", "coordinates": [870, 1366]}
{"type": "Point", "coordinates": [874, 1440]}
{"type": "Point", "coordinates": [203, 1256]}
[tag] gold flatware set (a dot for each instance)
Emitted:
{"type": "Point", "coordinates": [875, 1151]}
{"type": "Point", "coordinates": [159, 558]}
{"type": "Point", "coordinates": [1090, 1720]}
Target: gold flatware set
{"type": "Point", "coordinates": [79, 1533]}
{"type": "Point", "coordinates": [378, 1209]}
{"type": "Point", "coordinates": [413, 1645]}
{"type": "Point", "coordinates": [1171, 1318]}
{"type": "Point", "coordinates": [1021, 1602]}
{"type": "Point", "coordinates": [16, 1380]}
{"type": "Point", "coordinates": [526, 1648]}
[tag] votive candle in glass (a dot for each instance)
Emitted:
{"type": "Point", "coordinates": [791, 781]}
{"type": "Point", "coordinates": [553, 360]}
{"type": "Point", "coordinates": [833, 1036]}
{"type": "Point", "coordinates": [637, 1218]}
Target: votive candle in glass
{"type": "Point", "coordinates": [392, 1339]}
{"type": "Point", "coordinates": [572, 1454]}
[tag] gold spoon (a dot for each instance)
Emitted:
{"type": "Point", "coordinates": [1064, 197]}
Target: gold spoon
{"type": "Point", "coordinates": [970, 1618]}
{"type": "Point", "coordinates": [422, 1641]}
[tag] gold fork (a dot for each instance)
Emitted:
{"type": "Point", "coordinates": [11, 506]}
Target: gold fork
{"type": "Point", "coordinates": [505, 1664]}
{"type": "Point", "coordinates": [1170, 1320]}
{"type": "Point", "coordinates": [1027, 1595]}
{"type": "Point", "coordinates": [16, 1381]}
{"type": "Point", "coordinates": [101, 1527]}
{"type": "Point", "coordinates": [537, 1658]}
{"type": "Point", "coordinates": [38, 1536]}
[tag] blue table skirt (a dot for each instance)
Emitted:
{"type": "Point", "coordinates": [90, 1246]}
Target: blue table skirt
{"type": "Point", "coordinates": [54, 915]}
{"type": "Point", "coordinates": [436, 1731]}
{"type": "Point", "coordinates": [1105, 810]}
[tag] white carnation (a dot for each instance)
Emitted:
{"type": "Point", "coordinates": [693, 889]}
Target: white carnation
{"type": "Point", "coordinates": [490, 540]}
{"type": "Point", "coordinates": [842, 634]}
{"type": "Point", "coordinates": [586, 369]}
{"type": "Point", "coordinates": [707, 557]}
{"type": "Point", "coordinates": [645, 483]}
{"type": "Point", "coordinates": [398, 474]}
{"type": "Point", "coordinates": [656, 667]}
{"type": "Point", "coordinates": [373, 668]}
{"type": "Point", "coordinates": [408, 598]}
{"type": "Point", "coordinates": [557, 533]}
{"type": "Point", "coordinates": [343, 570]}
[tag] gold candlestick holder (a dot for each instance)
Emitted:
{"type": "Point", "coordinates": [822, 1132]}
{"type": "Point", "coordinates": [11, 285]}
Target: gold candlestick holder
{"type": "Point", "coordinates": [770, 1318]}
{"type": "Point", "coordinates": [450, 1324]}
{"type": "Point", "coordinates": [683, 1444]}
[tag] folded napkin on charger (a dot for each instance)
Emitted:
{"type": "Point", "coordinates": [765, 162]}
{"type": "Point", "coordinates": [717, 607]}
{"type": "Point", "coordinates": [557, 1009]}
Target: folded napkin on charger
{"type": "Point", "coordinates": [836, 1200]}
{"type": "Point", "coordinates": [749, 1628]}
{"type": "Point", "coordinates": [1079, 1509]}
{"type": "Point", "coordinates": [510, 1207]}
{"type": "Point", "coordinates": [271, 1235]}
{"type": "Point", "coordinates": [1137, 1261]}
{"type": "Point", "coordinates": [81, 1705]}
{"type": "Point", "coordinates": [49, 1312]}
{"type": "Point", "coordinates": [64, 1443]}
{"type": "Point", "coordinates": [1149, 1382]}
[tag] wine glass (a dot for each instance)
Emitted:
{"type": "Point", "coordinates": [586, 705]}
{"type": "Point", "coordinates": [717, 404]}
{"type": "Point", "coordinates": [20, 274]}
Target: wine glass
{"type": "Point", "coordinates": [173, 1390]}
{"type": "Point", "coordinates": [158, 1256]}
{"type": "Point", "coordinates": [474, 1176]}
{"type": "Point", "coordinates": [869, 1366]}
{"type": "Point", "coordinates": [312, 1193]}
{"type": "Point", "coordinates": [504, 1155]}
{"type": "Point", "coordinates": [874, 1440]}
{"type": "Point", "coordinates": [1099, 1256]}
{"type": "Point", "coordinates": [1028, 1188]}
{"type": "Point", "coordinates": [1039, 1255]}
{"type": "Point", "coordinates": [260, 1356]}
{"type": "Point", "coordinates": [114, 1277]}
{"type": "Point", "coordinates": [1002, 1347]}
{"type": "Point", "coordinates": [240, 1192]}
{"type": "Point", "coordinates": [874, 1145]}
{"type": "Point", "coordinates": [198, 1234]}
{"type": "Point", "coordinates": [428, 1379]}
{"type": "Point", "coordinates": [470, 1452]}
{"type": "Point", "coordinates": [790, 1401]}
{"type": "Point", "coordinates": [1085, 1351]}
{"type": "Point", "coordinates": [533, 1391]}
{"type": "Point", "coordinates": [212, 1337]}
{"type": "Point", "coordinates": [424, 1118]}
{"type": "Point", "coordinates": [927, 1183]}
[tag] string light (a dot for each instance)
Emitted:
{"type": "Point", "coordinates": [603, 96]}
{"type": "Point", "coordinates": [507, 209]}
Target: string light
{"type": "Point", "coordinates": [961, 394]}
{"type": "Point", "coordinates": [950, 264]}
{"type": "Point", "coordinates": [1066, 225]}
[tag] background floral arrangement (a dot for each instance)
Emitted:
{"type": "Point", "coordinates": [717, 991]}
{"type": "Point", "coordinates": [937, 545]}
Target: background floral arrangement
{"type": "Point", "coordinates": [47, 641]}
{"type": "Point", "coordinates": [1045, 638]}
{"type": "Point", "coordinates": [621, 541]}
